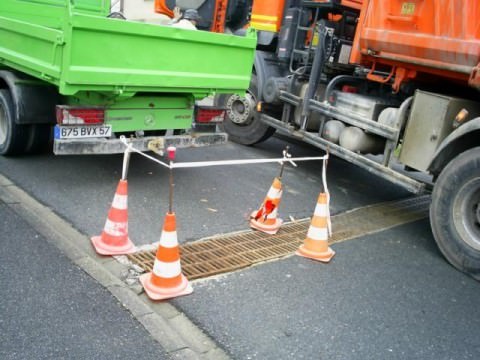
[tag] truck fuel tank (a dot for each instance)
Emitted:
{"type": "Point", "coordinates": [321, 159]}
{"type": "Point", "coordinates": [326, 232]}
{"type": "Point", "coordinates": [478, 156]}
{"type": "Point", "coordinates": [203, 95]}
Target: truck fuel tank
{"type": "Point", "coordinates": [332, 130]}
{"type": "Point", "coordinates": [355, 139]}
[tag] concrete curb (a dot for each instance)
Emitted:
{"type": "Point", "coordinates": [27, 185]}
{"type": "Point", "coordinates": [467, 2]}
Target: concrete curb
{"type": "Point", "coordinates": [180, 338]}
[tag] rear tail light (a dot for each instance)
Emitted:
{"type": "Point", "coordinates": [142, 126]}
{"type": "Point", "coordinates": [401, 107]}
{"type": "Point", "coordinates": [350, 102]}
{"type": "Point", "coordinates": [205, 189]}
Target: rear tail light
{"type": "Point", "coordinates": [205, 115]}
{"type": "Point", "coordinates": [67, 115]}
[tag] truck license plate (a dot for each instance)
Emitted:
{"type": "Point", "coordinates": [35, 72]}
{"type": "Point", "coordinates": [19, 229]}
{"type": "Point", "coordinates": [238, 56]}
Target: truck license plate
{"type": "Point", "coordinates": [78, 132]}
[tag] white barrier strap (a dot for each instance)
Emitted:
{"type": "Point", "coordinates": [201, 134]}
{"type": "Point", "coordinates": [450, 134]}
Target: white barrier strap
{"type": "Point", "coordinates": [220, 162]}
{"type": "Point", "coordinates": [241, 162]}
{"type": "Point", "coordinates": [325, 188]}
{"type": "Point", "coordinates": [131, 148]}
{"type": "Point", "coordinates": [126, 158]}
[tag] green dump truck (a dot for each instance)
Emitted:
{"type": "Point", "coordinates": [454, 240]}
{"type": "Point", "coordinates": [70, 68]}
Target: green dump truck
{"type": "Point", "coordinates": [66, 65]}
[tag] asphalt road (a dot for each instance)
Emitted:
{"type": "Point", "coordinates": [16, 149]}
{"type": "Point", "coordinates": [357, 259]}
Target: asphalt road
{"type": "Point", "coordinates": [388, 295]}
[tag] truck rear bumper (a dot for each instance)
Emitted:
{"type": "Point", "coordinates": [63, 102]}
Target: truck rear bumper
{"type": "Point", "coordinates": [115, 146]}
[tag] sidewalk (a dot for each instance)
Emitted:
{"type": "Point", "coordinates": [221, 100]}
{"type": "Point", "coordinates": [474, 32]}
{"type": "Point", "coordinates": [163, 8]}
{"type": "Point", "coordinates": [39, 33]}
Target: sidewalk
{"type": "Point", "coordinates": [51, 309]}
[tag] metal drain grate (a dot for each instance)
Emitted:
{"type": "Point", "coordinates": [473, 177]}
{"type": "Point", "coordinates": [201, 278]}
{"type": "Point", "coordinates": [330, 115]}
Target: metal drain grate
{"type": "Point", "coordinates": [229, 252]}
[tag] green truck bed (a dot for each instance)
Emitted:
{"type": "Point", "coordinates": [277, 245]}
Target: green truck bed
{"type": "Point", "coordinates": [75, 46]}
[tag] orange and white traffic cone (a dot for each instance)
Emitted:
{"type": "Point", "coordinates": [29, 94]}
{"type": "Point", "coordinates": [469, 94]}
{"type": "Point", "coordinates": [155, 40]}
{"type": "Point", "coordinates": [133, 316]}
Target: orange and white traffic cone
{"type": "Point", "coordinates": [114, 239]}
{"type": "Point", "coordinates": [265, 219]}
{"type": "Point", "coordinates": [315, 245]}
{"type": "Point", "coordinates": [166, 280]}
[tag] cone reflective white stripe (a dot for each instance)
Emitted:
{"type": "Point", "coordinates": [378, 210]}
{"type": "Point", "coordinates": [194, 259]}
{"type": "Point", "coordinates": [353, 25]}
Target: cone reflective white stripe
{"type": "Point", "coordinates": [315, 233]}
{"type": "Point", "coordinates": [315, 245]}
{"type": "Point", "coordinates": [115, 228]}
{"type": "Point", "coordinates": [166, 279]}
{"type": "Point", "coordinates": [321, 210]}
{"type": "Point", "coordinates": [274, 193]}
{"type": "Point", "coordinates": [120, 202]}
{"type": "Point", "coordinates": [167, 269]}
{"type": "Point", "coordinates": [168, 239]}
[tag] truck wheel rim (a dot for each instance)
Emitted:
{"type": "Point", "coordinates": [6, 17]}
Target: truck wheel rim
{"type": "Point", "coordinates": [466, 213]}
{"type": "Point", "coordinates": [3, 126]}
{"type": "Point", "coordinates": [241, 110]}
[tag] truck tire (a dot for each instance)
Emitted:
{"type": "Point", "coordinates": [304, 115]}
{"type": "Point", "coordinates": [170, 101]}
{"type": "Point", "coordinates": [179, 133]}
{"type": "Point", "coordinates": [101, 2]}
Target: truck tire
{"type": "Point", "coordinates": [242, 121]}
{"type": "Point", "coordinates": [455, 212]}
{"type": "Point", "coordinates": [13, 137]}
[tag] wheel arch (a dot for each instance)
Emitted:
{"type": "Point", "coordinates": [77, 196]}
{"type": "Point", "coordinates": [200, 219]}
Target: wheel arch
{"type": "Point", "coordinates": [454, 212]}
{"type": "Point", "coordinates": [462, 139]}
{"type": "Point", "coordinates": [265, 67]}
{"type": "Point", "coordinates": [34, 100]}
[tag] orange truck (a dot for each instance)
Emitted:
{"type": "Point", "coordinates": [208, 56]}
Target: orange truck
{"type": "Point", "coordinates": [389, 85]}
